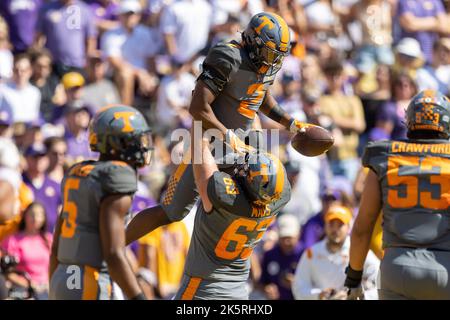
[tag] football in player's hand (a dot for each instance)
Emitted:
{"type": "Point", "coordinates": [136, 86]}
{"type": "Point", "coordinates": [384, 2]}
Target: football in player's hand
{"type": "Point", "coordinates": [312, 141]}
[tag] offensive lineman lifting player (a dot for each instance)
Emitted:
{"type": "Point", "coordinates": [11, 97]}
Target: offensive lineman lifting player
{"type": "Point", "coordinates": [232, 88]}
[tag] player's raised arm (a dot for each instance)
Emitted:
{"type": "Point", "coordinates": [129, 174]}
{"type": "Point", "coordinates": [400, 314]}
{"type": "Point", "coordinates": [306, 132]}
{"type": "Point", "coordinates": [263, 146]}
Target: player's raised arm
{"type": "Point", "coordinates": [113, 210]}
{"type": "Point", "coordinates": [203, 166]}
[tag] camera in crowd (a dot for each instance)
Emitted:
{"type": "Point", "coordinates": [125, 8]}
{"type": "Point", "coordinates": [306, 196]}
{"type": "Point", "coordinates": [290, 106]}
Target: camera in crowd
{"type": "Point", "coordinates": [7, 263]}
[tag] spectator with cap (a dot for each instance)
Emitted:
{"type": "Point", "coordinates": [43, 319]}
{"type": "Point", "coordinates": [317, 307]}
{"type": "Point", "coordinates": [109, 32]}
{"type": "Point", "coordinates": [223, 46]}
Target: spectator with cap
{"type": "Point", "coordinates": [56, 152]}
{"type": "Point", "coordinates": [436, 74]}
{"type": "Point", "coordinates": [23, 98]}
{"type": "Point", "coordinates": [45, 190]}
{"type": "Point", "coordinates": [313, 230]}
{"type": "Point", "coordinates": [279, 263]}
{"type": "Point", "coordinates": [320, 274]}
{"type": "Point", "coordinates": [52, 91]}
{"type": "Point", "coordinates": [99, 91]}
{"type": "Point", "coordinates": [73, 84]}
{"type": "Point", "coordinates": [129, 50]}
{"type": "Point", "coordinates": [408, 57]}
{"type": "Point", "coordinates": [422, 20]}
{"type": "Point", "coordinates": [67, 29]}
{"type": "Point", "coordinates": [76, 119]}
{"type": "Point", "coordinates": [6, 57]}
{"type": "Point", "coordinates": [21, 17]}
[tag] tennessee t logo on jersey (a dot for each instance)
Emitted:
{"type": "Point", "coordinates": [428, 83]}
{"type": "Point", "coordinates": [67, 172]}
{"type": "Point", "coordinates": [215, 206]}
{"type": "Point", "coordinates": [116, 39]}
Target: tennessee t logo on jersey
{"type": "Point", "coordinates": [125, 116]}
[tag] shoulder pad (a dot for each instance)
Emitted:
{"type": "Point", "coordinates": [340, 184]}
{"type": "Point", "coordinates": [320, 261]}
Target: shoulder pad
{"type": "Point", "coordinates": [375, 154]}
{"type": "Point", "coordinates": [222, 61]}
{"type": "Point", "coordinates": [224, 193]}
{"type": "Point", "coordinates": [117, 177]}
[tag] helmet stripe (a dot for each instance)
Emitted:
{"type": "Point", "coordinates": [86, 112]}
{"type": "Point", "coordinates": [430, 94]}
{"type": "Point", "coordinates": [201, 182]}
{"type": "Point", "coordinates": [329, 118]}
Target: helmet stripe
{"type": "Point", "coordinates": [284, 32]}
{"type": "Point", "coordinates": [280, 174]}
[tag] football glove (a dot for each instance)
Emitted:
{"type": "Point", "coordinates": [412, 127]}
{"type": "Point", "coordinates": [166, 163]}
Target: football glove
{"type": "Point", "coordinates": [236, 143]}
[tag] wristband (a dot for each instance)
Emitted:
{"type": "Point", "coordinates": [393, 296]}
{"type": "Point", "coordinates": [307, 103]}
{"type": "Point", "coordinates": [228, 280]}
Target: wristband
{"type": "Point", "coordinates": [140, 296]}
{"type": "Point", "coordinates": [353, 278]}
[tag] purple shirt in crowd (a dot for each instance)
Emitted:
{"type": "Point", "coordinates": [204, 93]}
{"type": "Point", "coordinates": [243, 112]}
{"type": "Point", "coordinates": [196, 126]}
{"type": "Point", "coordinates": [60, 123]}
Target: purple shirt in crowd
{"type": "Point", "coordinates": [101, 12]}
{"type": "Point", "coordinates": [78, 147]}
{"type": "Point", "coordinates": [421, 9]}
{"type": "Point", "coordinates": [49, 195]}
{"type": "Point", "coordinates": [275, 266]}
{"type": "Point", "coordinates": [390, 112]}
{"type": "Point", "coordinates": [313, 231]}
{"type": "Point", "coordinates": [140, 203]}
{"type": "Point", "coordinates": [67, 29]}
{"type": "Point", "coordinates": [21, 16]}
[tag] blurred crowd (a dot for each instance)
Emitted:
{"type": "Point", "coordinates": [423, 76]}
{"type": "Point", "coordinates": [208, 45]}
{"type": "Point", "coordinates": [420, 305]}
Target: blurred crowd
{"type": "Point", "coordinates": [353, 68]}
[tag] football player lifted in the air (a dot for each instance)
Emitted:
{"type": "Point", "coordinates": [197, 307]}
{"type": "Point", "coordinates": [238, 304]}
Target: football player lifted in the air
{"type": "Point", "coordinates": [232, 88]}
{"type": "Point", "coordinates": [88, 252]}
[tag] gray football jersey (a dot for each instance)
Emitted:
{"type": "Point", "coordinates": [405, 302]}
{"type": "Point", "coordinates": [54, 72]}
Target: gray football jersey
{"type": "Point", "coordinates": [83, 189]}
{"type": "Point", "coordinates": [415, 181]}
{"type": "Point", "coordinates": [223, 239]}
{"type": "Point", "coordinates": [239, 90]}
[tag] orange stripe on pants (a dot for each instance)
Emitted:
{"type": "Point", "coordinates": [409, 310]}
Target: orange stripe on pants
{"type": "Point", "coordinates": [191, 289]}
{"type": "Point", "coordinates": [90, 283]}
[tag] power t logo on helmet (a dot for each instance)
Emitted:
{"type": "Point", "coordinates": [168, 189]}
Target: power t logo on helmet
{"type": "Point", "coordinates": [121, 131]}
{"type": "Point", "coordinates": [267, 40]}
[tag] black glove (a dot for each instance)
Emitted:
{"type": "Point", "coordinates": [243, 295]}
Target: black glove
{"type": "Point", "coordinates": [353, 284]}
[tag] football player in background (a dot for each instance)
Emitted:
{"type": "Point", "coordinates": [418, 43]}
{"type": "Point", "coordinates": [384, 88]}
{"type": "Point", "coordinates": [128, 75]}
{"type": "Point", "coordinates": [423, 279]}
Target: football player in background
{"type": "Point", "coordinates": [232, 88]}
{"type": "Point", "coordinates": [88, 251]}
{"type": "Point", "coordinates": [234, 212]}
{"type": "Point", "coordinates": [410, 181]}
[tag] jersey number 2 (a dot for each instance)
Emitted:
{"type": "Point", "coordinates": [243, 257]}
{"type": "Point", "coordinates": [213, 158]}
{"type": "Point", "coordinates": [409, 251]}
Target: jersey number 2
{"type": "Point", "coordinates": [244, 106]}
{"type": "Point", "coordinates": [69, 224]}
{"type": "Point", "coordinates": [413, 195]}
{"type": "Point", "coordinates": [231, 235]}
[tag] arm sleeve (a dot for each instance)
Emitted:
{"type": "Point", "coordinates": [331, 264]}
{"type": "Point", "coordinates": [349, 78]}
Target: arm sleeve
{"type": "Point", "coordinates": [119, 179]}
{"type": "Point", "coordinates": [302, 286]}
{"type": "Point", "coordinates": [220, 64]}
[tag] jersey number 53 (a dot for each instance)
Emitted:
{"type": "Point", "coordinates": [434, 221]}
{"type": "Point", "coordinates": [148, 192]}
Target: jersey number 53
{"type": "Point", "coordinates": [420, 177]}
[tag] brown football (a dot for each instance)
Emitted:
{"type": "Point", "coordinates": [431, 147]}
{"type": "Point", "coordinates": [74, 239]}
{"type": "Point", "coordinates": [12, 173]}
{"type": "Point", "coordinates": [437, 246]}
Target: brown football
{"type": "Point", "coordinates": [313, 141]}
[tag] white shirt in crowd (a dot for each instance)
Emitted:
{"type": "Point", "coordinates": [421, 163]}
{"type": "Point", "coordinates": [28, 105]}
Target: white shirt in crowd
{"type": "Point", "coordinates": [6, 64]}
{"type": "Point", "coordinates": [435, 79]}
{"type": "Point", "coordinates": [189, 21]}
{"type": "Point", "coordinates": [135, 47]}
{"type": "Point", "coordinates": [174, 92]}
{"type": "Point", "coordinates": [25, 102]}
{"type": "Point", "coordinates": [319, 269]}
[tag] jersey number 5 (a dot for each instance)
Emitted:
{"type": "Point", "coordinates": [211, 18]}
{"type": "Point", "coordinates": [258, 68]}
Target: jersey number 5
{"type": "Point", "coordinates": [413, 196]}
{"type": "Point", "coordinates": [242, 247]}
{"type": "Point", "coordinates": [69, 224]}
